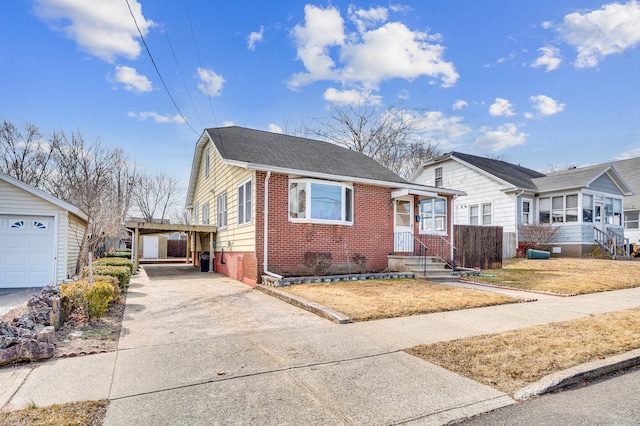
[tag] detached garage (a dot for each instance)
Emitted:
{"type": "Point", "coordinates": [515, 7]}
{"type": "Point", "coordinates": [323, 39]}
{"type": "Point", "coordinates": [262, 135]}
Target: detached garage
{"type": "Point", "coordinates": [40, 236]}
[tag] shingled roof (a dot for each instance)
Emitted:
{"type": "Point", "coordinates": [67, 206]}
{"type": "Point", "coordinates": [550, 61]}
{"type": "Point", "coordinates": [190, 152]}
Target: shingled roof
{"type": "Point", "coordinates": [518, 176]}
{"type": "Point", "coordinates": [275, 150]}
{"type": "Point", "coordinates": [629, 169]}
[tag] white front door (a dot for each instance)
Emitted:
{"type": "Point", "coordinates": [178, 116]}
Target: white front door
{"type": "Point", "coordinates": [403, 225]}
{"type": "Point", "coordinates": [150, 247]}
{"type": "Point", "coordinates": [600, 216]}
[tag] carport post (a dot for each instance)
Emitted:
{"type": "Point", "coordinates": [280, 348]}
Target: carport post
{"type": "Point", "coordinates": [136, 246]}
{"type": "Point", "coordinates": [211, 253]}
{"type": "Point", "coordinates": [188, 247]}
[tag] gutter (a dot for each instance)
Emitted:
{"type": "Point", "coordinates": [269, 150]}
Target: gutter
{"type": "Point", "coordinates": [266, 229]}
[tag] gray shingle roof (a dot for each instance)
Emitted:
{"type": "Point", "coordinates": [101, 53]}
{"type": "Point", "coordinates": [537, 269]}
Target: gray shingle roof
{"type": "Point", "coordinates": [294, 153]}
{"type": "Point", "coordinates": [630, 171]}
{"type": "Point", "coordinates": [571, 178]}
{"type": "Point", "coordinates": [518, 176]}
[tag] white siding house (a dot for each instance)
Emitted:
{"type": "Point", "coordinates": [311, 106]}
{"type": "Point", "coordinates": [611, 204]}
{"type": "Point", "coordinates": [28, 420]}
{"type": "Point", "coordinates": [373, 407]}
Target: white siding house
{"type": "Point", "coordinates": [40, 236]}
{"type": "Point", "coordinates": [577, 201]}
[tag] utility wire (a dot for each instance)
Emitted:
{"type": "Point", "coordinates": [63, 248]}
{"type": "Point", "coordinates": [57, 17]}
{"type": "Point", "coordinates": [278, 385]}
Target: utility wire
{"type": "Point", "coordinates": [157, 70]}
{"type": "Point", "coordinates": [193, 34]}
{"type": "Point", "coordinates": [175, 58]}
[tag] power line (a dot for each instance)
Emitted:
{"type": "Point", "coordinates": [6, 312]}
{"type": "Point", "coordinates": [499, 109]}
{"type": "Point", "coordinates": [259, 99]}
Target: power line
{"type": "Point", "coordinates": [157, 70]}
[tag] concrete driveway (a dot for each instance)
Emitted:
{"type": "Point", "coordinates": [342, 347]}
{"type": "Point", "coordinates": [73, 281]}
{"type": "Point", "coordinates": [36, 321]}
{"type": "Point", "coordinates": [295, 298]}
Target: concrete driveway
{"type": "Point", "coordinates": [200, 349]}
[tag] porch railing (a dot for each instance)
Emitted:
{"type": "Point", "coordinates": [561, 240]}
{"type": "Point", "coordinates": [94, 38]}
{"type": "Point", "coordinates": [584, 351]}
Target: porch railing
{"type": "Point", "coordinates": [424, 246]}
{"type": "Point", "coordinates": [616, 244]}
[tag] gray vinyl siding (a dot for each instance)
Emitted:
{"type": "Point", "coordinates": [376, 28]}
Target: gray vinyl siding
{"type": "Point", "coordinates": [605, 184]}
{"type": "Point", "coordinates": [572, 233]}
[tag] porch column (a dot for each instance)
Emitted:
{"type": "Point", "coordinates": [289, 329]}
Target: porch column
{"type": "Point", "coordinates": [211, 253]}
{"type": "Point", "coordinates": [136, 250]}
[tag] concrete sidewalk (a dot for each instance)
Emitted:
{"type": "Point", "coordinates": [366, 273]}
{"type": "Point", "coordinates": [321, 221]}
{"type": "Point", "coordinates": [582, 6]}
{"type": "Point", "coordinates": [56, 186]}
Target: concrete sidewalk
{"type": "Point", "coordinates": [203, 349]}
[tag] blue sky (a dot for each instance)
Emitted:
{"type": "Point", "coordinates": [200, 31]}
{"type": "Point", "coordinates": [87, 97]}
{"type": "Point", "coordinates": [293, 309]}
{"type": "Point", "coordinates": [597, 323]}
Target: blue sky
{"type": "Point", "coordinates": [537, 82]}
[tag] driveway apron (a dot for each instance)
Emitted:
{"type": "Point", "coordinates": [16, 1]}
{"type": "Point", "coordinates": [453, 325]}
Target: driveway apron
{"type": "Point", "coordinates": [199, 348]}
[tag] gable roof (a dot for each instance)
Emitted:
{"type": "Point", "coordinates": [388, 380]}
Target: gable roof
{"type": "Point", "coordinates": [579, 178]}
{"type": "Point", "coordinates": [47, 197]}
{"type": "Point", "coordinates": [629, 169]}
{"type": "Point", "coordinates": [280, 153]}
{"type": "Point", "coordinates": [518, 176]}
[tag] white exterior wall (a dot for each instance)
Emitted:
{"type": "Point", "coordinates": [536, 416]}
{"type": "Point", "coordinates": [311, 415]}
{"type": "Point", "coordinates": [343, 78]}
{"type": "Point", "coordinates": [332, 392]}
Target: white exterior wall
{"type": "Point", "coordinates": [17, 201]}
{"type": "Point", "coordinates": [480, 189]}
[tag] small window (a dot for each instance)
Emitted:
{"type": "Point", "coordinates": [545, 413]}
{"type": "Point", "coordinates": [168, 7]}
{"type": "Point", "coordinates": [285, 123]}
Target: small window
{"type": "Point", "coordinates": [205, 214]}
{"type": "Point", "coordinates": [18, 224]}
{"type": "Point", "coordinates": [196, 213]}
{"type": "Point", "coordinates": [631, 220]}
{"type": "Point", "coordinates": [486, 214]}
{"type": "Point", "coordinates": [206, 161]}
{"type": "Point", "coordinates": [473, 215]}
{"type": "Point", "coordinates": [545, 210]}
{"type": "Point", "coordinates": [557, 209]}
{"type": "Point", "coordinates": [438, 177]}
{"type": "Point", "coordinates": [222, 210]}
{"type": "Point", "coordinates": [572, 208]}
{"type": "Point", "coordinates": [526, 212]}
{"type": "Point", "coordinates": [39, 225]}
{"type": "Point", "coordinates": [244, 203]}
{"type": "Point", "coordinates": [433, 215]}
{"type": "Point", "coordinates": [587, 208]}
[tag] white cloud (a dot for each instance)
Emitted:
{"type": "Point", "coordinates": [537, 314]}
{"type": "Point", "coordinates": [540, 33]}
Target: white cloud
{"type": "Point", "coordinates": [132, 81]}
{"type": "Point", "coordinates": [629, 154]}
{"type": "Point", "coordinates": [546, 105]}
{"type": "Point", "coordinates": [501, 107]}
{"type": "Point", "coordinates": [350, 97]}
{"type": "Point", "coordinates": [599, 33]}
{"type": "Point", "coordinates": [158, 118]}
{"type": "Point", "coordinates": [550, 58]}
{"type": "Point", "coordinates": [441, 129]}
{"type": "Point", "coordinates": [503, 137]}
{"type": "Point", "coordinates": [228, 123]}
{"type": "Point", "coordinates": [459, 104]}
{"type": "Point", "coordinates": [362, 59]}
{"type": "Point", "coordinates": [546, 25]}
{"type": "Point", "coordinates": [102, 28]}
{"type": "Point", "coordinates": [210, 82]}
{"type": "Point", "coordinates": [275, 128]}
{"type": "Point", "coordinates": [255, 37]}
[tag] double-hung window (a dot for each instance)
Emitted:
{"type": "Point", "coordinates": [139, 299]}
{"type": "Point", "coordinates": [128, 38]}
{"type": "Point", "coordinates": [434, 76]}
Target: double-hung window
{"type": "Point", "coordinates": [526, 212]}
{"type": "Point", "coordinates": [207, 153]}
{"type": "Point", "coordinates": [196, 213]}
{"type": "Point", "coordinates": [244, 203]}
{"type": "Point", "coordinates": [631, 220]}
{"type": "Point", "coordinates": [438, 177]}
{"type": "Point", "coordinates": [320, 201]}
{"type": "Point", "coordinates": [433, 215]}
{"type": "Point", "coordinates": [487, 217]}
{"type": "Point", "coordinates": [480, 214]}
{"type": "Point", "coordinates": [205, 214]}
{"type": "Point", "coordinates": [222, 211]}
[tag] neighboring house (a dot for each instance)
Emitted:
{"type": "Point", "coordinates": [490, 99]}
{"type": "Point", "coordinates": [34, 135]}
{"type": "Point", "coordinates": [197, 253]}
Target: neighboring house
{"type": "Point", "coordinates": [274, 198]}
{"type": "Point", "coordinates": [629, 169]}
{"type": "Point", "coordinates": [579, 201]}
{"type": "Point", "coordinates": [40, 236]}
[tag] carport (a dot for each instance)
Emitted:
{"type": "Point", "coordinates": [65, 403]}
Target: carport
{"type": "Point", "coordinates": [194, 233]}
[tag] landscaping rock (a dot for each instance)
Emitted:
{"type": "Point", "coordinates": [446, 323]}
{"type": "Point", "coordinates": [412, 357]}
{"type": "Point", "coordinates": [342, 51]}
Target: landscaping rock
{"type": "Point", "coordinates": [47, 334]}
{"type": "Point", "coordinates": [27, 351]}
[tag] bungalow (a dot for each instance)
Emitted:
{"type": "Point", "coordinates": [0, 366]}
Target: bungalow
{"type": "Point", "coordinates": [276, 199]}
{"type": "Point", "coordinates": [585, 204]}
{"type": "Point", "coordinates": [629, 169]}
{"type": "Point", "coordinates": [40, 236]}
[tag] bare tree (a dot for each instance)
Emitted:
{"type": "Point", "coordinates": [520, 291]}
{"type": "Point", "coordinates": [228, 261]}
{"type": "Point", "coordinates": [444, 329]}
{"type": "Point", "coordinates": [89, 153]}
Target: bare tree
{"type": "Point", "coordinates": [390, 137]}
{"type": "Point", "coordinates": [155, 195]}
{"type": "Point", "coordinates": [181, 216]}
{"type": "Point", "coordinates": [25, 155]}
{"type": "Point", "coordinates": [538, 235]}
{"type": "Point", "coordinates": [556, 167]}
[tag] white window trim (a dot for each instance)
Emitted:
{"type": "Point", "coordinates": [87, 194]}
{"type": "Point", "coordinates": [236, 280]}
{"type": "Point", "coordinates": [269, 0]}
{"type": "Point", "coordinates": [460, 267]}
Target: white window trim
{"type": "Point", "coordinates": [207, 161]}
{"type": "Point", "coordinates": [530, 201]}
{"type": "Point", "coordinates": [244, 184]}
{"type": "Point", "coordinates": [432, 231]}
{"type": "Point", "coordinates": [196, 211]}
{"type": "Point", "coordinates": [308, 219]}
{"type": "Point", "coordinates": [219, 212]}
{"type": "Point", "coordinates": [482, 215]}
{"type": "Point", "coordinates": [205, 214]}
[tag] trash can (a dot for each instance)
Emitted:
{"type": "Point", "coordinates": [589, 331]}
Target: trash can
{"type": "Point", "coordinates": [204, 262]}
{"type": "Point", "coordinates": [538, 254]}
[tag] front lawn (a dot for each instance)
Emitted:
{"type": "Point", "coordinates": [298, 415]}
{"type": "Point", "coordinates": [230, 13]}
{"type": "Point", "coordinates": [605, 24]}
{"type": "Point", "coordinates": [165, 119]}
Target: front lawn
{"type": "Point", "coordinates": [565, 275]}
{"type": "Point", "coordinates": [377, 299]}
{"type": "Point", "coordinates": [511, 360]}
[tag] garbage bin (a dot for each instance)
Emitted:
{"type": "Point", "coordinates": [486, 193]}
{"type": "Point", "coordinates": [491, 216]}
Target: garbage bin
{"type": "Point", "coordinates": [537, 254]}
{"type": "Point", "coordinates": [204, 262]}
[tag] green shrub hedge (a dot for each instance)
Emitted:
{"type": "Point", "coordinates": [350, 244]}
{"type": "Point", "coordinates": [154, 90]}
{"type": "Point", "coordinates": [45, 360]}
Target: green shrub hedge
{"type": "Point", "coordinates": [120, 254]}
{"type": "Point", "coordinates": [94, 298]}
{"type": "Point", "coordinates": [115, 261]}
{"type": "Point", "coordinates": [122, 273]}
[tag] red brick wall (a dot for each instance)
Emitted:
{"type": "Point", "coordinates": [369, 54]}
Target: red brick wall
{"type": "Point", "coordinates": [237, 265]}
{"type": "Point", "coordinates": [370, 235]}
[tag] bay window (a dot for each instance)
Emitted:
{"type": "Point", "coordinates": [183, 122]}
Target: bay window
{"type": "Point", "coordinates": [320, 201]}
{"type": "Point", "coordinates": [433, 215]}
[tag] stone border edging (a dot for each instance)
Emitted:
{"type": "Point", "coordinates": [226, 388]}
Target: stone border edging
{"type": "Point", "coordinates": [573, 375]}
{"type": "Point", "coordinates": [316, 308]}
{"type": "Point", "coordinates": [548, 293]}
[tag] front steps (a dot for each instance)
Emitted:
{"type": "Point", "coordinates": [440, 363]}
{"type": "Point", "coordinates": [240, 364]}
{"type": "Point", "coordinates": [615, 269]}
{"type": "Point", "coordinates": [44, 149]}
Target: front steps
{"type": "Point", "coordinates": [433, 270]}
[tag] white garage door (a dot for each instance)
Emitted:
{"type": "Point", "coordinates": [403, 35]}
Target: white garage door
{"type": "Point", "coordinates": [26, 251]}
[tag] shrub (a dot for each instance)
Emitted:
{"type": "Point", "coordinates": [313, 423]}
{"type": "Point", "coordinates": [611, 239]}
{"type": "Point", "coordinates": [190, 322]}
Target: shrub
{"type": "Point", "coordinates": [318, 262]}
{"type": "Point", "coordinates": [360, 261]}
{"type": "Point", "coordinates": [122, 273]}
{"type": "Point", "coordinates": [537, 235]}
{"type": "Point", "coordinates": [115, 261]}
{"type": "Point", "coordinates": [93, 299]}
{"type": "Point", "coordinates": [111, 280]}
{"type": "Point", "coordinates": [119, 254]}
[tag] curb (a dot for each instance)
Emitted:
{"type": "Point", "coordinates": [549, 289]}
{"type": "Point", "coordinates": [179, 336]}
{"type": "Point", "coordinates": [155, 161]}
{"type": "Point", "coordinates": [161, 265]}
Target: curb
{"type": "Point", "coordinates": [305, 304]}
{"type": "Point", "coordinates": [573, 375]}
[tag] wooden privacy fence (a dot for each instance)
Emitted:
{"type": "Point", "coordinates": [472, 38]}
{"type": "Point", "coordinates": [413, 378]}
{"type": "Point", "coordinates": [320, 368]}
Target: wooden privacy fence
{"type": "Point", "coordinates": [478, 246]}
{"type": "Point", "coordinates": [176, 248]}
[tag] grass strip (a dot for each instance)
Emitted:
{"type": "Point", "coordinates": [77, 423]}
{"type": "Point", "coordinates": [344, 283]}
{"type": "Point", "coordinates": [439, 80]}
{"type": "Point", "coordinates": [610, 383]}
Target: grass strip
{"type": "Point", "coordinates": [83, 413]}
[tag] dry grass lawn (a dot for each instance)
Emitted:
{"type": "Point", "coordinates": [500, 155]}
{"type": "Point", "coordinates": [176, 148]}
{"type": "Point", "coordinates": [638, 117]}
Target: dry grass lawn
{"type": "Point", "coordinates": [377, 299]}
{"type": "Point", "coordinates": [511, 360]}
{"type": "Point", "coordinates": [84, 413]}
{"type": "Point", "coordinates": [566, 276]}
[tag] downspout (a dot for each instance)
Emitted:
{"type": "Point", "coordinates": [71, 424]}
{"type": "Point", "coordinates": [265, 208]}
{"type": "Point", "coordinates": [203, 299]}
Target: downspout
{"type": "Point", "coordinates": [516, 223]}
{"type": "Point", "coordinates": [452, 249]}
{"type": "Point", "coordinates": [266, 228]}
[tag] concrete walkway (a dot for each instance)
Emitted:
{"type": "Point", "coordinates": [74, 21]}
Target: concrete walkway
{"type": "Point", "coordinates": [198, 348]}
